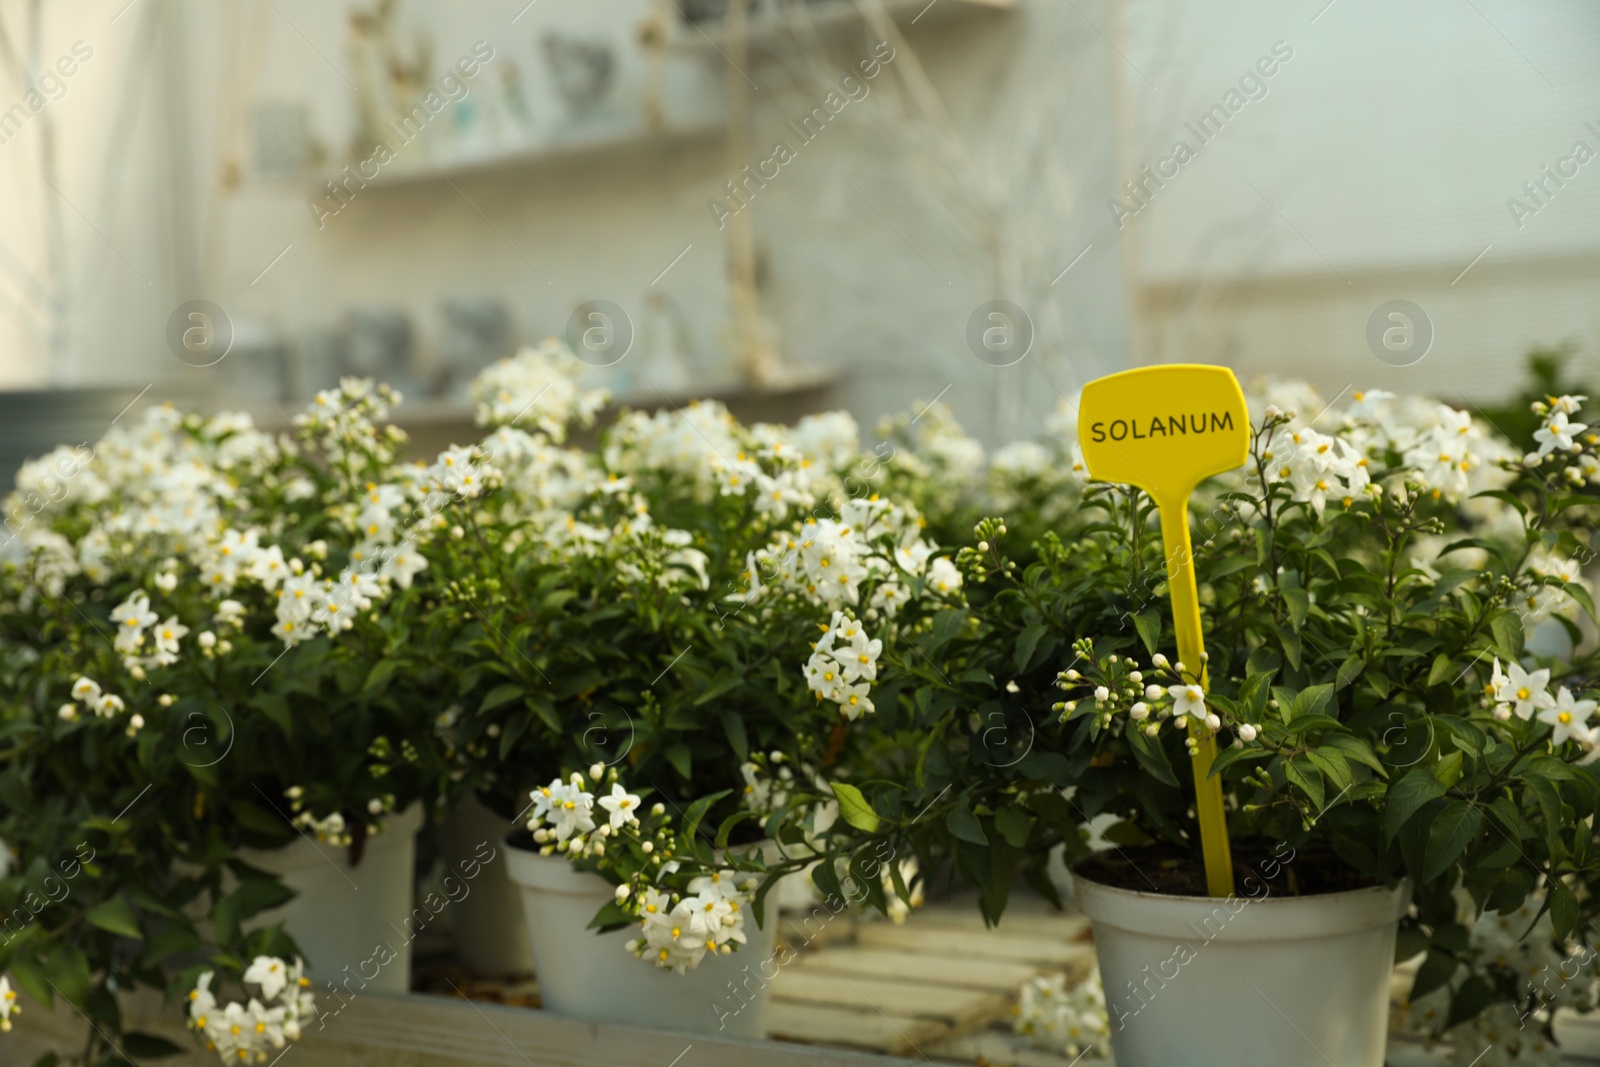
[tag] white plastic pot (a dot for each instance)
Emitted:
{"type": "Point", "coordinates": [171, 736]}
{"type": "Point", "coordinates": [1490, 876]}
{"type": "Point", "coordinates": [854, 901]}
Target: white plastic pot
{"type": "Point", "coordinates": [593, 976]}
{"type": "Point", "coordinates": [491, 933]}
{"type": "Point", "coordinates": [343, 914]}
{"type": "Point", "coordinates": [1243, 980]}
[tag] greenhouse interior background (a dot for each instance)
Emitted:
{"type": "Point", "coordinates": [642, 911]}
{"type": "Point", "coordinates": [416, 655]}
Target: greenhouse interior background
{"type": "Point", "coordinates": [972, 209]}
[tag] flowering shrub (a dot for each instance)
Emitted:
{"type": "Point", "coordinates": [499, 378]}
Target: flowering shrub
{"type": "Point", "coordinates": [188, 625]}
{"type": "Point", "coordinates": [1369, 591]}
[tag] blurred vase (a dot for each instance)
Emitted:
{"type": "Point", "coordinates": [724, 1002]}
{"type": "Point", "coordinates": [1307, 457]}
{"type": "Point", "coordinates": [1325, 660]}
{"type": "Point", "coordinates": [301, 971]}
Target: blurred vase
{"type": "Point", "coordinates": [491, 932]}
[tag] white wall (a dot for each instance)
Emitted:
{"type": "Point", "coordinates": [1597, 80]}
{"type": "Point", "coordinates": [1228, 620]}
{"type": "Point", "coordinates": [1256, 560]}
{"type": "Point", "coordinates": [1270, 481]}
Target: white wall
{"type": "Point", "coordinates": [878, 280]}
{"type": "Point", "coordinates": [1382, 160]}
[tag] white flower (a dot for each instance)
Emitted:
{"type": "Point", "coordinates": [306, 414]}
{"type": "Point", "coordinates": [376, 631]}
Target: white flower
{"type": "Point", "coordinates": [620, 804]}
{"type": "Point", "coordinates": [168, 633]}
{"type": "Point", "coordinates": [1526, 692]}
{"type": "Point", "coordinates": [571, 810]}
{"type": "Point", "coordinates": [1569, 718]}
{"type": "Point", "coordinates": [85, 690]}
{"type": "Point", "coordinates": [269, 973]}
{"type": "Point", "coordinates": [854, 701]}
{"type": "Point", "coordinates": [1556, 433]}
{"type": "Point", "coordinates": [132, 617]}
{"type": "Point", "coordinates": [8, 1003]}
{"type": "Point", "coordinates": [943, 576]}
{"type": "Point", "coordinates": [1187, 700]}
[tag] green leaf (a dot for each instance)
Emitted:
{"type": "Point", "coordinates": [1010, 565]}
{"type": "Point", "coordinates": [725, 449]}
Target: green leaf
{"type": "Point", "coordinates": [504, 693]}
{"type": "Point", "coordinates": [1349, 671]}
{"type": "Point", "coordinates": [1507, 629]}
{"type": "Point", "coordinates": [1563, 909]}
{"type": "Point", "coordinates": [1014, 825]}
{"type": "Point", "coordinates": [1299, 603]}
{"type": "Point", "coordinates": [1026, 643]}
{"type": "Point", "coordinates": [69, 972]}
{"type": "Point", "coordinates": [681, 756]}
{"type": "Point", "coordinates": [1406, 797]}
{"type": "Point", "coordinates": [1435, 972]}
{"type": "Point", "coordinates": [1148, 623]}
{"type": "Point", "coordinates": [965, 825]}
{"type": "Point", "coordinates": [1452, 831]}
{"type": "Point", "coordinates": [611, 917]}
{"type": "Point", "coordinates": [1469, 1001]}
{"type": "Point", "coordinates": [1151, 756]}
{"type": "Point", "coordinates": [380, 673]}
{"type": "Point", "coordinates": [1443, 667]}
{"type": "Point", "coordinates": [29, 973]}
{"type": "Point", "coordinates": [854, 809]}
{"type": "Point", "coordinates": [1312, 700]}
{"type": "Point", "coordinates": [1302, 773]}
{"type": "Point", "coordinates": [118, 916]}
{"type": "Point", "coordinates": [733, 725]}
{"type": "Point", "coordinates": [1448, 769]}
{"type": "Point", "coordinates": [1332, 766]}
{"type": "Point", "coordinates": [946, 624]}
{"type": "Point", "coordinates": [149, 1046]}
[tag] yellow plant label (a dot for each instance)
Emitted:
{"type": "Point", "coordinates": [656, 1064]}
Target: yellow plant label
{"type": "Point", "coordinates": [1166, 429]}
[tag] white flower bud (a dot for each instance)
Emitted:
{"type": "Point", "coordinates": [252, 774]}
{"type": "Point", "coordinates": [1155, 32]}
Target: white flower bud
{"type": "Point", "coordinates": [1139, 711]}
{"type": "Point", "coordinates": [621, 894]}
{"type": "Point", "coordinates": [983, 546]}
{"type": "Point", "coordinates": [1136, 678]}
{"type": "Point", "coordinates": [1152, 730]}
{"type": "Point", "coordinates": [68, 712]}
{"type": "Point", "coordinates": [1154, 692]}
{"type": "Point", "coordinates": [648, 847]}
{"type": "Point", "coordinates": [1213, 722]}
{"type": "Point", "coordinates": [1158, 660]}
{"type": "Point", "coordinates": [1179, 667]}
{"type": "Point", "coordinates": [658, 809]}
{"type": "Point", "coordinates": [1073, 676]}
{"type": "Point", "coordinates": [1247, 732]}
{"type": "Point", "coordinates": [207, 639]}
{"type": "Point", "coordinates": [1101, 694]}
{"type": "Point", "coordinates": [375, 806]}
{"type": "Point", "coordinates": [597, 771]}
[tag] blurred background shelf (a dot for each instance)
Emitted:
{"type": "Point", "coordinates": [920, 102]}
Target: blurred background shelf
{"type": "Point", "coordinates": [774, 22]}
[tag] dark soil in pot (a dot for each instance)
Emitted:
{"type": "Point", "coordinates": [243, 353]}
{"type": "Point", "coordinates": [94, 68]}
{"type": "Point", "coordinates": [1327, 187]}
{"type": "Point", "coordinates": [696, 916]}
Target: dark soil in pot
{"type": "Point", "coordinates": [1259, 868]}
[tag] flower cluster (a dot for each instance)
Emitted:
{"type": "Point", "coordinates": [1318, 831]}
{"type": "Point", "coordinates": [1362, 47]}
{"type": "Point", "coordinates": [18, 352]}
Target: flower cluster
{"type": "Point", "coordinates": [87, 691]}
{"type": "Point", "coordinates": [279, 1004]}
{"type": "Point", "coordinates": [679, 930]}
{"type": "Point", "coordinates": [872, 544]}
{"type": "Point", "coordinates": [843, 661]}
{"type": "Point", "coordinates": [1165, 692]}
{"type": "Point", "coordinates": [540, 385]}
{"type": "Point", "coordinates": [1526, 694]}
{"type": "Point", "coordinates": [562, 814]}
{"type": "Point", "coordinates": [1071, 1020]}
{"type": "Point", "coordinates": [1518, 950]}
{"type": "Point", "coordinates": [680, 924]}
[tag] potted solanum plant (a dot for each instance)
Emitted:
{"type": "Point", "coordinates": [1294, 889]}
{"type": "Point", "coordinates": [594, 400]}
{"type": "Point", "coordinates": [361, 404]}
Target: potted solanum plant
{"type": "Point", "coordinates": [190, 634]}
{"type": "Point", "coordinates": [1390, 750]}
{"type": "Point", "coordinates": [613, 633]}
